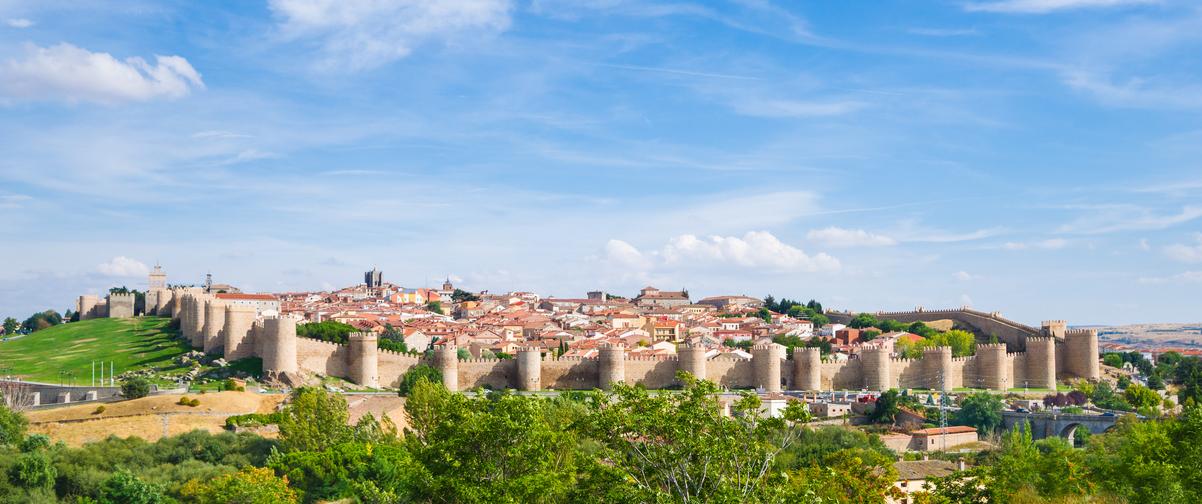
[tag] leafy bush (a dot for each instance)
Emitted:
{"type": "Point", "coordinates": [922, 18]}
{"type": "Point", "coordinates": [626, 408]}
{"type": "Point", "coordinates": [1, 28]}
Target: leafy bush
{"type": "Point", "coordinates": [253, 420]}
{"type": "Point", "coordinates": [99, 409]}
{"type": "Point", "coordinates": [135, 388]}
{"type": "Point", "coordinates": [12, 426]}
{"type": "Point", "coordinates": [418, 372]}
{"type": "Point", "coordinates": [35, 442]}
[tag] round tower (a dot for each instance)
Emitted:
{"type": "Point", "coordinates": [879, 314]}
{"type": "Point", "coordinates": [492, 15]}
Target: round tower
{"type": "Point", "coordinates": [87, 306]}
{"type": "Point", "coordinates": [937, 366]}
{"type": "Point", "coordinates": [214, 323]}
{"type": "Point", "coordinates": [279, 347]}
{"type": "Point", "coordinates": [691, 359]}
{"type": "Point", "coordinates": [161, 305]}
{"type": "Point", "coordinates": [1054, 328]}
{"type": "Point", "coordinates": [876, 367]}
{"type": "Point", "coordinates": [530, 367]}
{"type": "Point", "coordinates": [611, 366]}
{"type": "Point", "coordinates": [238, 343]}
{"type": "Point", "coordinates": [1041, 363]}
{"type": "Point", "coordinates": [765, 362]}
{"type": "Point", "coordinates": [1082, 353]}
{"type": "Point", "coordinates": [196, 320]}
{"type": "Point", "coordinates": [446, 359]}
{"type": "Point", "coordinates": [993, 367]}
{"type": "Point", "coordinates": [364, 359]}
{"type": "Point", "coordinates": [807, 368]}
{"type": "Point", "coordinates": [176, 306]}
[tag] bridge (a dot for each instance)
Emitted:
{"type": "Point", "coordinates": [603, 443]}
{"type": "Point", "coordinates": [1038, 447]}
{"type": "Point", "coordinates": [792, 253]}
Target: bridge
{"type": "Point", "coordinates": [983, 324]}
{"type": "Point", "coordinates": [1049, 424]}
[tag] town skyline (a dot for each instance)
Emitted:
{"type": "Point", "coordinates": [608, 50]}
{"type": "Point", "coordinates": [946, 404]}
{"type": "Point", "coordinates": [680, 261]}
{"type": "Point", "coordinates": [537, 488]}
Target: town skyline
{"type": "Point", "coordinates": [1021, 156]}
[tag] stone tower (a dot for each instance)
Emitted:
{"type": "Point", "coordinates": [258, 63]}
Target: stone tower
{"type": "Point", "coordinates": [692, 359]}
{"type": "Point", "coordinates": [1041, 363]}
{"type": "Point", "coordinates": [279, 346]}
{"type": "Point", "coordinates": [212, 342]}
{"type": "Point", "coordinates": [446, 359]}
{"type": "Point", "coordinates": [611, 366]}
{"type": "Point", "coordinates": [364, 364]}
{"type": "Point", "coordinates": [876, 364]}
{"type": "Point", "coordinates": [374, 278]}
{"type": "Point", "coordinates": [807, 368]}
{"type": "Point", "coordinates": [121, 305]}
{"type": "Point", "coordinates": [163, 307]}
{"type": "Point", "coordinates": [87, 306]}
{"type": "Point", "coordinates": [157, 279]}
{"type": "Point", "coordinates": [530, 367]}
{"type": "Point", "coordinates": [937, 368]}
{"type": "Point", "coordinates": [765, 363]}
{"type": "Point", "coordinates": [1081, 359]}
{"type": "Point", "coordinates": [1054, 328]}
{"type": "Point", "coordinates": [194, 320]}
{"type": "Point", "coordinates": [237, 336]}
{"type": "Point", "coordinates": [993, 367]}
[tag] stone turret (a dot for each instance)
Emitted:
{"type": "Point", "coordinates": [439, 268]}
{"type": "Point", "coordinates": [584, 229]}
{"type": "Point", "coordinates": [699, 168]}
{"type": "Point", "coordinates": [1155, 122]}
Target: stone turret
{"type": "Point", "coordinates": [876, 364]}
{"type": "Point", "coordinates": [1041, 363]}
{"type": "Point", "coordinates": [162, 307]}
{"type": "Point", "coordinates": [692, 359]}
{"type": "Point", "coordinates": [937, 368]}
{"type": "Point", "coordinates": [149, 302]}
{"type": "Point", "coordinates": [121, 305]}
{"type": "Point", "coordinates": [993, 367]}
{"type": "Point", "coordinates": [807, 368]}
{"type": "Point", "coordinates": [446, 359]}
{"type": "Point", "coordinates": [177, 304]}
{"type": "Point", "coordinates": [611, 366]}
{"type": "Point", "coordinates": [1082, 357]}
{"type": "Point", "coordinates": [185, 312]}
{"type": "Point", "coordinates": [1054, 328]}
{"type": "Point", "coordinates": [364, 364]}
{"type": "Point", "coordinates": [530, 368]}
{"type": "Point", "coordinates": [195, 320]}
{"type": "Point", "coordinates": [239, 341]}
{"type": "Point", "coordinates": [86, 306]}
{"type": "Point", "coordinates": [765, 362]}
{"type": "Point", "coordinates": [279, 346]}
{"type": "Point", "coordinates": [211, 339]}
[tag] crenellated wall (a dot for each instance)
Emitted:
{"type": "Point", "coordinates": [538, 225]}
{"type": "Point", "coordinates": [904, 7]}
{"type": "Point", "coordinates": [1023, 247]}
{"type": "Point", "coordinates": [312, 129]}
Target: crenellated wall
{"type": "Point", "coordinates": [282, 351]}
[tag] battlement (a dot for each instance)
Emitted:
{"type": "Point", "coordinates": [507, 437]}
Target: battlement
{"type": "Point", "coordinates": [991, 346]}
{"type": "Point", "coordinates": [1047, 323]}
{"type": "Point", "coordinates": [362, 336]}
{"type": "Point", "coordinates": [1081, 332]}
{"type": "Point", "coordinates": [937, 350]}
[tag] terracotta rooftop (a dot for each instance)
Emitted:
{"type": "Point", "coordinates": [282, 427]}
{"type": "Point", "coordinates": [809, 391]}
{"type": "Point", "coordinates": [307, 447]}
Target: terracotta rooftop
{"type": "Point", "coordinates": [952, 429]}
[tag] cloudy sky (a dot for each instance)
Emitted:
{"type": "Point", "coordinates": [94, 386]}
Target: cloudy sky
{"type": "Point", "coordinates": [1042, 158]}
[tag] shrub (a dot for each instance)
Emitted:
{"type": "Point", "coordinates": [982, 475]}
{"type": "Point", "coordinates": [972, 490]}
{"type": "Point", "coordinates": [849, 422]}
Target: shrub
{"type": "Point", "coordinates": [253, 420]}
{"type": "Point", "coordinates": [12, 426]}
{"type": "Point", "coordinates": [98, 410]}
{"type": "Point", "coordinates": [135, 388]}
{"type": "Point", "coordinates": [183, 401]}
{"type": "Point", "coordinates": [35, 442]}
{"type": "Point", "coordinates": [416, 373]}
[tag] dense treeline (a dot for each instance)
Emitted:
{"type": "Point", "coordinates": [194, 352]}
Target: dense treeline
{"type": "Point", "coordinates": [629, 445]}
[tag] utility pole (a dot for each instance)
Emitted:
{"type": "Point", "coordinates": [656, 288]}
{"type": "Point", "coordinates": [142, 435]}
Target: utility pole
{"type": "Point", "coordinates": [943, 409]}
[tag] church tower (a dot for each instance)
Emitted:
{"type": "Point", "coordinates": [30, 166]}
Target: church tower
{"type": "Point", "coordinates": [158, 278]}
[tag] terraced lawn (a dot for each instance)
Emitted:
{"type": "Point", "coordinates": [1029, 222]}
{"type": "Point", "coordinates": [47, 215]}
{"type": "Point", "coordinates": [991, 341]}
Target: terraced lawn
{"type": "Point", "coordinates": [65, 353]}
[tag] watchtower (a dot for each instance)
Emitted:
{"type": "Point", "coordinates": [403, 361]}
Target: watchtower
{"type": "Point", "coordinates": [993, 367]}
{"type": "Point", "coordinates": [239, 320]}
{"type": "Point", "coordinates": [807, 368]}
{"type": "Point", "coordinates": [692, 359]}
{"type": "Point", "coordinates": [611, 365]}
{"type": "Point", "coordinates": [212, 342]}
{"type": "Point", "coordinates": [876, 366]}
{"type": "Point", "coordinates": [937, 366]}
{"type": "Point", "coordinates": [279, 346]}
{"type": "Point", "coordinates": [765, 362]}
{"type": "Point", "coordinates": [530, 367]}
{"type": "Point", "coordinates": [1041, 363]}
{"type": "Point", "coordinates": [446, 359]}
{"type": "Point", "coordinates": [1054, 328]}
{"type": "Point", "coordinates": [364, 364]}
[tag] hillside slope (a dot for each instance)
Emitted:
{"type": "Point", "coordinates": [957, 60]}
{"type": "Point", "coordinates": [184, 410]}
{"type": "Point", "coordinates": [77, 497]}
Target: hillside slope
{"type": "Point", "coordinates": [65, 353]}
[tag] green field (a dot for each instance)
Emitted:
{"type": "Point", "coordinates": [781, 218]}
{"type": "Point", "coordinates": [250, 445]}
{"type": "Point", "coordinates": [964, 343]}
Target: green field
{"type": "Point", "coordinates": [64, 353]}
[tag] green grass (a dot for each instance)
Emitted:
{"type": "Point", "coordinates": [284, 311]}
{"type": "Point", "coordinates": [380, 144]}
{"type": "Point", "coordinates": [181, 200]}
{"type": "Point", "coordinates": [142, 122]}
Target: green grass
{"type": "Point", "coordinates": [65, 353]}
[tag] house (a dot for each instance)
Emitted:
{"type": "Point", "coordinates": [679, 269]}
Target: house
{"type": "Point", "coordinates": [829, 410]}
{"type": "Point", "coordinates": [937, 438]}
{"type": "Point", "coordinates": [733, 303]}
{"type": "Point", "coordinates": [912, 476]}
{"type": "Point", "coordinates": [650, 297]}
{"type": "Point", "coordinates": [266, 305]}
{"type": "Point", "coordinates": [847, 336]}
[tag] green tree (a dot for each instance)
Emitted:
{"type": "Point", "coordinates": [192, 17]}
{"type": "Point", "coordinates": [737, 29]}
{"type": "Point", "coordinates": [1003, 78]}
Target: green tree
{"type": "Point", "coordinates": [330, 330]}
{"type": "Point", "coordinates": [434, 306]}
{"type": "Point", "coordinates": [135, 388]}
{"type": "Point", "coordinates": [1113, 360]}
{"type": "Point", "coordinates": [981, 410]}
{"type": "Point", "coordinates": [42, 320]}
{"type": "Point", "coordinates": [33, 471]}
{"type": "Point", "coordinates": [314, 420]}
{"type": "Point", "coordinates": [123, 487]}
{"type": "Point", "coordinates": [1142, 398]}
{"type": "Point", "coordinates": [461, 295]}
{"type": "Point", "coordinates": [418, 373]}
{"type": "Point", "coordinates": [863, 320]}
{"type": "Point", "coordinates": [888, 404]}
{"type": "Point", "coordinates": [12, 425]}
{"type": "Point", "coordinates": [251, 485]}
{"type": "Point", "coordinates": [1188, 374]}
{"type": "Point", "coordinates": [11, 325]}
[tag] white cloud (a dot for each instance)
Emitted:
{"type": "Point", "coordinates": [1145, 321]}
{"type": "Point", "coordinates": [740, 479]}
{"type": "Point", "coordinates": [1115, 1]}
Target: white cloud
{"type": "Point", "coordinates": [1045, 6]}
{"type": "Point", "coordinates": [754, 250]}
{"type": "Point", "coordinates": [1143, 245]}
{"type": "Point", "coordinates": [1186, 253]}
{"type": "Point", "coordinates": [18, 23]}
{"type": "Point", "coordinates": [68, 73]}
{"type": "Point", "coordinates": [965, 276]}
{"type": "Point", "coordinates": [1049, 244]}
{"type": "Point", "coordinates": [1188, 277]}
{"type": "Point", "coordinates": [944, 237]}
{"type": "Point", "coordinates": [13, 200]}
{"type": "Point", "coordinates": [122, 266]}
{"type": "Point", "coordinates": [840, 237]}
{"type": "Point", "coordinates": [366, 34]}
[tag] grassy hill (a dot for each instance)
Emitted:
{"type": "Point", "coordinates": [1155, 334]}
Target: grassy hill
{"type": "Point", "coordinates": [65, 353]}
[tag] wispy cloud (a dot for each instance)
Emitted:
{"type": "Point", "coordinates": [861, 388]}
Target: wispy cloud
{"type": "Point", "coordinates": [754, 250]}
{"type": "Point", "coordinates": [677, 71]}
{"type": "Point", "coordinates": [1046, 6]}
{"type": "Point", "coordinates": [1186, 253]}
{"type": "Point", "coordinates": [1101, 219]}
{"type": "Point", "coordinates": [18, 23]}
{"type": "Point", "coordinates": [1188, 277]}
{"type": "Point", "coordinates": [365, 34]}
{"type": "Point", "coordinates": [1049, 244]}
{"type": "Point", "coordinates": [840, 237]}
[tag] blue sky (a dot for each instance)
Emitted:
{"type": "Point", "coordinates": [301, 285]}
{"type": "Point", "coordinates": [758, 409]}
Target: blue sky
{"type": "Point", "coordinates": [1036, 157]}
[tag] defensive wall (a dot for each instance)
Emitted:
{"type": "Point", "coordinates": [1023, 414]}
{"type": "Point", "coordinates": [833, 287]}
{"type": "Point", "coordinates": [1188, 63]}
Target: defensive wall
{"type": "Point", "coordinates": [1053, 354]}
